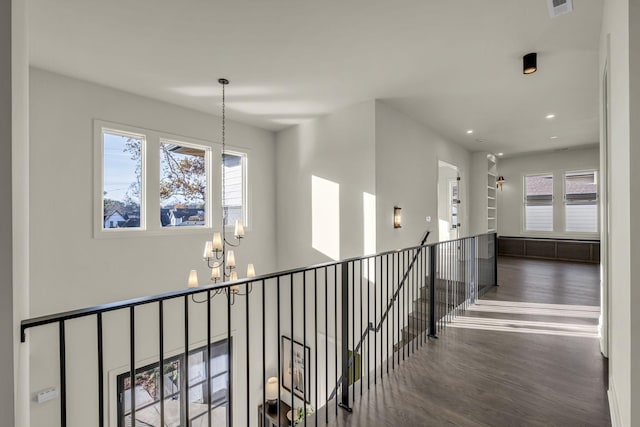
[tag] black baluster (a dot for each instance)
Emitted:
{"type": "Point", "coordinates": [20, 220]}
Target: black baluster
{"type": "Point", "coordinates": [248, 351]}
{"type": "Point", "coordinates": [161, 357]}
{"type": "Point", "coordinates": [100, 373]}
{"type": "Point", "coordinates": [344, 404]}
{"type": "Point", "coordinates": [264, 362]}
{"type": "Point", "coordinates": [278, 340]}
{"type": "Point", "coordinates": [315, 321]}
{"type": "Point", "coordinates": [304, 345]}
{"type": "Point", "coordinates": [208, 364]}
{"type": "Point", "coordinates": [63, 373]}
{"type": "Point", "coordinates": [185, 376]}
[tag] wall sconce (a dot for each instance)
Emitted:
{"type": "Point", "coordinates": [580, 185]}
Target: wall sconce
{"type": "Point", "coordinates": [397, 217]}
{"type": "Point", "coordinates": [499, 182]}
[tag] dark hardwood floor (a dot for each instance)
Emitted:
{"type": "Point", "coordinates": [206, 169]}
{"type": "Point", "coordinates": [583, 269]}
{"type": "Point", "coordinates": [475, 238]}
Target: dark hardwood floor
{"type": "Point", "coordinates": [526, 355]}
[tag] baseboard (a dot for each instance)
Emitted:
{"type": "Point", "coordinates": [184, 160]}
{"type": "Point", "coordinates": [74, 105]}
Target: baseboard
{"type": "Point", "coordinates": [614, 411]}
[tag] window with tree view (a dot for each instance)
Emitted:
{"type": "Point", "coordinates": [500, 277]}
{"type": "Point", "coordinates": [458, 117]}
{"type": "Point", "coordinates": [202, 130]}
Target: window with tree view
{"type": "Point", "coordinates": [581, 201]}
{"type": "Point", "coordinates": [234, 194]}
{"type": "Point", "coordinates": [538, 201]}
{"type": "Point", "coordinates": [121, 180]}
{"type": "Point", "coordinates": [183, 184]}
{"type": "Point", "coordinates": [159, 396]}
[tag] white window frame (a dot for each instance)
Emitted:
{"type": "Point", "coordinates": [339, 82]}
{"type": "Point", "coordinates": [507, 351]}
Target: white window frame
{"type": "Point", "coordinates": [245, 210]}
{"type": "Point", "coordinates": [208, 205]}
{"type": "Point", "coordinates": [150, 183]}
{"type": "Point", "coordinates": [590, 234]}
{"type": "Point", "coordinates": [524, 230]}
{"type": "Point", "coordinates": [119, 370]}
{"type": "Point", "coordinates": [125, 131]}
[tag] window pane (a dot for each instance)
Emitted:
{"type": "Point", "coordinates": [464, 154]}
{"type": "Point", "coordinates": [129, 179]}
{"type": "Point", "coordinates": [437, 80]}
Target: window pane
{"type": "Point", "coordinates": [538, 195]}
{"type": "Point", "coordinates": [183, 185]}
{"type": "Point", "coordinates": [581, 202]}
{"type": "Point", "coordinates": [233, 188]}
{"type": "Point", "coordinates": [539, 218]}
{"type": "Point", "coordinates": [122, 180]}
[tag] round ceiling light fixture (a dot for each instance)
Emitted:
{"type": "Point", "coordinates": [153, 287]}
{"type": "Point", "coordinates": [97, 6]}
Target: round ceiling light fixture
{"type": "Point", "coordinates": [530, 63]}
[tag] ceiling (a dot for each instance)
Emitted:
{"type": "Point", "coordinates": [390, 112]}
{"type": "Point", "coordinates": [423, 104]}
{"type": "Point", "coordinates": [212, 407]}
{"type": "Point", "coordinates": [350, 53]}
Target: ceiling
{"type": "Point", "coordinates": [452, 65]}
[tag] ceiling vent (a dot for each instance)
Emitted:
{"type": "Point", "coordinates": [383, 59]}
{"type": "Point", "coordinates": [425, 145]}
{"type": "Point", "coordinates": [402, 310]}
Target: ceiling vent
{"type": "Point", "coordinates": [559, 7]}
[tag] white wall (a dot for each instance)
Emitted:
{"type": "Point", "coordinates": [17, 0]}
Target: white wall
{"type": "Point", "coordinates": [367, 148]}
{"type": "Point", "coordinates": [407, 155]}
{"type": "Point", "coordinates": [372, 148]}
{"type": "Point", "coordinates": [339, 147]}
{"type": "Point", "coordinates": [510, 198]}
{"type": "Point", "coordinates": [6, 235]}
{"type": "Point", "coordinates": [72, 269]}
{"type": "Point", "coordinates": [634, 197]}
{"type": "Point", "coordinates": [20, 202]}
{"type": "Point", "coordinates": [615, 36]}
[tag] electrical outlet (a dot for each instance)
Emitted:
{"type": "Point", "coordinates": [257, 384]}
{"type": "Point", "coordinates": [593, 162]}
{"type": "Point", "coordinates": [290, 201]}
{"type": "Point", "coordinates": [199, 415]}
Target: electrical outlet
{"type": "Point", "coordinates": [47, 394]}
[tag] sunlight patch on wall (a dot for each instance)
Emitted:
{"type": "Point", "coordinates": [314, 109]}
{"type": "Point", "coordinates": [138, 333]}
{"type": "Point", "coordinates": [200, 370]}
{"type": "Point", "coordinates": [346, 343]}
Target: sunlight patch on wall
{"type": "Point", "coordinates": [443, 229]}
{"type": "Point", "coordinates": [325, 217]}
{"type": "Point", "coordinates": [369, 232]}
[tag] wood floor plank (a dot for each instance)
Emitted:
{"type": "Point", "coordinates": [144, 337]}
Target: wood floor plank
{"type": "Point", "coordinates": [476, 377]}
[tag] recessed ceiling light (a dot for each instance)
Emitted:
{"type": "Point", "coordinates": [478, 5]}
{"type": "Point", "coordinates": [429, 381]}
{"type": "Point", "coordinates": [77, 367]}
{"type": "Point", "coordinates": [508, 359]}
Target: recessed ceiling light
{"type": "Point", "coordinates": [530, 63]}
{"type": "Point", "coordinates": [553, 137]}
{"type": "Point", "coordinates": [470, 131]}
{"type": "Point", "coordinates": [550, 116]}
{"type": "Point", "coordinates": [500, 154]}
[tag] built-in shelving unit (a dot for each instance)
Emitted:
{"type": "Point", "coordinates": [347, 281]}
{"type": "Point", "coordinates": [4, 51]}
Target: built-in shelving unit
{"type": "Point", "coordinates": [492, 212]}
{"type": "Point", "coordinates": [484, 198]}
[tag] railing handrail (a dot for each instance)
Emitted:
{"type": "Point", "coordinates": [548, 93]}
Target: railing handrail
{"type": "Point", "coordinates": [119, 305]}
{"type": "Point", "coordinates": [390, 304]}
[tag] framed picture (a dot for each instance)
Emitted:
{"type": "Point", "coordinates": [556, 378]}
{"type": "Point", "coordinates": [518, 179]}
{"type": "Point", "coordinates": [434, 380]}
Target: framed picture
{"type": "Point", "coordinates": [295, 377]}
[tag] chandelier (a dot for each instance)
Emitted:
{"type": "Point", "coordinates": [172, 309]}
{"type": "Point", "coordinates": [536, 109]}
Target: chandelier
{"type": "Point", "coordinates": [222, 262]}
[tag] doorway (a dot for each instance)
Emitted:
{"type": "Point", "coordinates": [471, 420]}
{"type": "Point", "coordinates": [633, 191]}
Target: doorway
{"type": "Point", "coordinates": [449, 209]}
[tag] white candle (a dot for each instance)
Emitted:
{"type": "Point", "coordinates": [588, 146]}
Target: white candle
{"type": "Point", "coordinates": [193, 279]}
{"type": "Point", "coordinates": [251, 271]}
{"type": "Point", "coordinates": [217, 241]}
{"type": "Point", "coordinates": [231, 260]}
{"type": "Point", "coordinates": [239, 229]}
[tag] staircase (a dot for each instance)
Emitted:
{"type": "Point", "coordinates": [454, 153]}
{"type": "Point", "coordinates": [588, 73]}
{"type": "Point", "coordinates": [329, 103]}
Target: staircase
{"type": "Point", "coordinates": [449, 295]}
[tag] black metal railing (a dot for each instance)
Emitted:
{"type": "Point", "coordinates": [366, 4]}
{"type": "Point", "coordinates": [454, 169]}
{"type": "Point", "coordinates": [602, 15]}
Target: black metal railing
{"type": "Point", "coordinates": [345, 325]}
